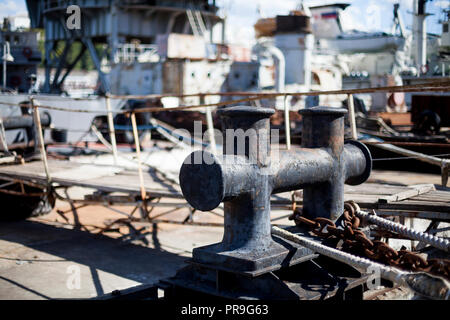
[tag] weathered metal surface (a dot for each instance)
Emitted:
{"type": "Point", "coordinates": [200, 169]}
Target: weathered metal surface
{"type": "Point", "coordinates": [422, 283]}
{"type": "Point", "coordinates": [247, 174]}
{"type": "Point", "coordinates": [26, 121]}
{"type": "Point", "coordinates": [427, 238]}
{"type": "Point", "coordinates": [355, 240]}
{"type": "Point", "coordinates": [319, 279]}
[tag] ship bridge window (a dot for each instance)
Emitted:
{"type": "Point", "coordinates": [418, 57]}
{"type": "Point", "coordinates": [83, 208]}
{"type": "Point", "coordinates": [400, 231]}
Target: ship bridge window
{"type": "Point", "coordinates": [445, 28]}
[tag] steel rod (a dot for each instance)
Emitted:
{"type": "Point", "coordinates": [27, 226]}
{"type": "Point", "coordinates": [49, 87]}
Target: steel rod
{"type": "Point", "coordinates": [287, 124]}
{"type": "Point", "coordinates": [112, 133]}
{"type": "Point", "coordinates": [444, 164]}
{"type": "Point", "coordinates": [421, 283]}
{"type": "Point", "coordinates": [427, 238]}
{"type": "Point", "coordinates": [252, 96]}
{"type": "Point", "coordinates": [138, 154]}
{"type": "Point", "coordinates": [40, 135]}
{"type": "Point", "coordinates": [351, 117]}
{"type": "Point", "coordinates": [210, 124]}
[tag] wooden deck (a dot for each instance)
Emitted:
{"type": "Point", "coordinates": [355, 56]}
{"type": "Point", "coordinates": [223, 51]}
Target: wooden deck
{"type": "Point", "coordinates": [415, 201]}
{"type": "Point", "coordinates": [100, 177]}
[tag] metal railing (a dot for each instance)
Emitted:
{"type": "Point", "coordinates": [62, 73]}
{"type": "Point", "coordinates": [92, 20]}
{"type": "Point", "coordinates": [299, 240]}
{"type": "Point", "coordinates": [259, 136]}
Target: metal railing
{"type": "Point", "coordinates": [130, 53]}
{"type": "Point", "coordinates": [432, 86]}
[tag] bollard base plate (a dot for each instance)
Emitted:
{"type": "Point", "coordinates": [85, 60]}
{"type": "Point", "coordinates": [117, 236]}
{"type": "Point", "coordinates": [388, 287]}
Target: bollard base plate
{"type": "Point", "coordinates": [281, 253]}
{"type": "Point", "coordinates": [317, 279]}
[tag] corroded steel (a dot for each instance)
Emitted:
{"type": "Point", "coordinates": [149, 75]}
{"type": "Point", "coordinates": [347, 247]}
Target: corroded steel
{"type": "Point", "coordinates": [356, 241]}
{"type": "Point", "coordinates": [246, 175]}
{"type": "Point", "coordinates": [422, 283]}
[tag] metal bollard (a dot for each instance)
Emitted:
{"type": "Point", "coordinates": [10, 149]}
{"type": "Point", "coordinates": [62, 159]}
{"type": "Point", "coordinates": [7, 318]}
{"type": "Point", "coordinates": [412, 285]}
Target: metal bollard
{"type": "Point", "coordinates": [324, 128]}
{"type": "Point", "coordinates": [246, 175]}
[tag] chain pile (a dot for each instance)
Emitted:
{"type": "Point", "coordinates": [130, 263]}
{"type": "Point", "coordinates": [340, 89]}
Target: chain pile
{"type": "Point", "coordinates": [356, 242]}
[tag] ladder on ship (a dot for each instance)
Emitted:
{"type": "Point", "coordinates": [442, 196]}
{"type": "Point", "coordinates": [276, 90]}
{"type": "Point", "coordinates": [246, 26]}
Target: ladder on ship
{"type": "Point", "coordinates": [196, 22]}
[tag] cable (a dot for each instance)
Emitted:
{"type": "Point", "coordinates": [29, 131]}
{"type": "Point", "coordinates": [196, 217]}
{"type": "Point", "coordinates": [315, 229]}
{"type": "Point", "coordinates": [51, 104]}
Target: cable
{"type": "Point", "coordinates": [406, 158]}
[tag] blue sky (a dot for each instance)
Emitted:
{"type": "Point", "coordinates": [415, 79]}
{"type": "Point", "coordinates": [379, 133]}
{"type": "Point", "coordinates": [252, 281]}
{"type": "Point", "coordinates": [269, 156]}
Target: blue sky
{"type": "Point", "coordinates": [378, 14]}
{"type": "Point", "coordinates": [242, 14]}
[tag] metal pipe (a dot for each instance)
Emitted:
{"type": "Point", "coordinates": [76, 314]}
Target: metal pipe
{"type": "Point", "coordinates": [4, 65]}
{"type": "Point", "coordinates": [12, 123]}
{"type": "Point", "coordinates": [112, 133]}
{"type": "Point", "coordinates": [351, 116]}
{"type": "Point", "coordinates": [3, 138]}
{"type": "Point", "coordinates": [287, 124]}
{"type": "Point", "coordinates": [138, 155]}
{"type": "Point", "coordinates": [210, 124]}
{"type": "Point", "coordinates": [247, 173]}
{"type": "Point", "coordinates": [427, 238]}
{"type": "Point", "coordinates": [6, 57]}
{"type": "Point", "coordinates": [40, 136]}
{"type": "Point", "coordinates": [443, 163]}
{"type": "Point", "coordinates": [324, 128]}
{"type": "Point", "coordinates": [278, 55]}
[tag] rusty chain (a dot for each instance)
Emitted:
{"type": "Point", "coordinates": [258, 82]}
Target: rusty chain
{"type": "Point", "coordinates": [356, 242]}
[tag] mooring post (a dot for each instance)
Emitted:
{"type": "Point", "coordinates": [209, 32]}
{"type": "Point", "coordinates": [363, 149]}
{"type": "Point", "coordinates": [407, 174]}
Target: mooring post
{"type": "Point", "coordinates": [112, 132]}
{"type": "Point", "coordinates": [247, 173]}
{"type": "Point", "coordinates": [40, 137]}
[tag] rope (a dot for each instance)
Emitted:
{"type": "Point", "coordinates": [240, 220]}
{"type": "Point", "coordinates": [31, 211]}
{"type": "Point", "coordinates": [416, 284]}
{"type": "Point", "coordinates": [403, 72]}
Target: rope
{"type": "Point", "coordinates": [406, 158]}
{"type": "Point", "coordinates": [432, 83]}
{"type": "Point", "coordinates": [431, 86]}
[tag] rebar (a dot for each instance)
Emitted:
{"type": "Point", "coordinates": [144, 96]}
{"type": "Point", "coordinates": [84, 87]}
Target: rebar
{"type": "Point", "coordinates": [427, 238]}
{"type": "Point", "coordinates": [422, 283]}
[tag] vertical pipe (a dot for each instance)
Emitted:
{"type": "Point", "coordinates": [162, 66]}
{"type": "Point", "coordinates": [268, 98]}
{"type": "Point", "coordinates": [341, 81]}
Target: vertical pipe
{"type": "Point", "coordinates": [40, 136]}
{"type": "Point", "coordinates": [287, 129]}
{"type": "Point", "coordinates": [210, 125]}
{"type": "Point", "coordinates": [420, 34]}
{"type": "Point", "coordinates": [223, 36]}
{"type": "Point", "coordinates": [3, 137]}
{"type": "Point", "coordinates": [287, 124]}
{"type": "Point", "coordinates": [112, 133]}
{"type": "Point", "coordinates": [48, 66]}
{"type": "Point", "coordinates": [323, 127]}
{"type": "Point", "coordinates": [4, 65]}
{"type": "Point", "coordinates": [247, 218]}
{"type": "Point", "coordinates": [138, 154]}
{"type": "Point", "coordinates": [351, 117]}
{"type": "Point", "coordinates": [212, 138]}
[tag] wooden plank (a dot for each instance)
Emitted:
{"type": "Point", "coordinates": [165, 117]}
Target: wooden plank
{"type": "Point", "coordinates": [361, 198]}
{"type": "Point", "coordinates": [415, 214]}
{"type": "Point", "coordinates": [373, 188]}
{"type": "Point", "coordinates": [416, 206]}
{"type": "Point", "coordinates": [412, 191]}
{"type": "Point", "coordinates": [430, 198]}
{"type": "Point", "coordinates": [126, 181]}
